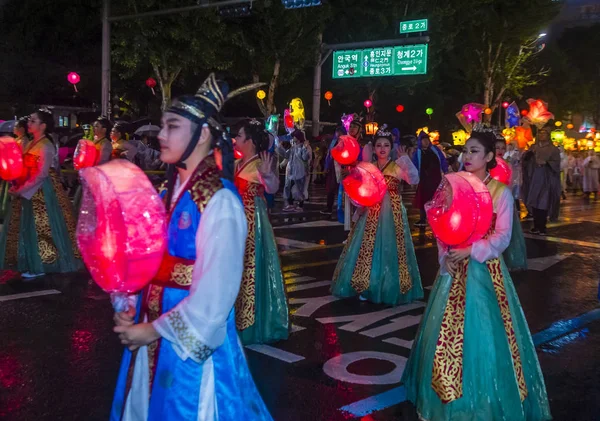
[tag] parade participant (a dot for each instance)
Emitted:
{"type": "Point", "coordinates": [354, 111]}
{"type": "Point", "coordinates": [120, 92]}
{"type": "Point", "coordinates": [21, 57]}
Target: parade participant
{"type": "Point", "coordinates": [38, 235]}
{"type": "Point", "coordinates": [543, 194]}
{"type": "Point", "coordinates": [261, 309]}
{"type": "Point", "coordinates": [500, 148]}
{"type": "Point", "coordinates": [378, 261]}
{"type": "Point", "coordinates": [515, 255]}
{"type": "Point", "coordinates": [270, 198]}
{"type": "Point", "coordinates": [20, 132]}
{"type": "Point", "coordinates": [430, 163]}
{"type": "Point", "coordinates": [308, 166]}
{"type": "Point", "coordinates": [591, 165]}
{"type": "Point", "coordinates": [295, 172]}
{"type": "Point", "coordinates": [102, 128]}
{"type": "Point", "coordinates": [184, 359]}
{"type": "Point", "coordinates": [118, 137]}
{"type": "Point", "coordinates": [333, 172]}
{"type": "Point", "coordinates": [473, 356]}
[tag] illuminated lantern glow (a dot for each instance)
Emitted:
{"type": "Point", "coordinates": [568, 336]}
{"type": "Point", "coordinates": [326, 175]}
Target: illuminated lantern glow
{"type": "Point", "coordinates": [524, 136]}
{"type": "Point", "coordinates": [511, 116]}
{"type": "Point", "coordinates": [487, 111]}
{"type": "Point", "coordinates": [151, 83]}
{"type": "Point", "coordinates": [399, 108]}
{"type": "Point", "coordinates": [86, 154]}
{"type": "Point", "coordinates": [368, 103]}
{"type": "Point", "coordinates": [121, 231]}
{"type": "Point", "coordinates": [461, 210]}
{"type": "Point", "coordinates": [328, 95]}
{"type": "Point", "coordinates": [11, 159]}
{"type": "Point", "coordinates": [365, 184]}
{"type": "Point", "coordinates": [73, 79]}
{"type": "Point", "coordinates": [429, 111]}
{"type": "Point", "coordinates": [371, 128]}
{"type": "Point", "coordinates": [502, 172]}
{"type": "Point", "coordinates": [460, 137]}
{"type": "Point", "coordinates": [505, 105]}
{"type": "Point", "coordinates": [260, 94]}
{"type": "Point", "coordinates": [434, 136]}
{"type": "Point", "coordinates": [472, 112]}
{"type": "Point", "coordinates": [297, 112]}
{"type": "Point", "coordinates": [509, 134]}
{"type": "Point", "coordinates": [346, 151]}
{"type": "Point", "coordinates": [237, 154]}
{"type": "Point", "coordinates": [524, 113]}
{"type": "Point", "coordinates": [272, 124]}
{"type": "Point", "coordinates": [538, 114]}
{"type": "Point", "coordinates": [557, 136]}
{"type": "Point", "coordinates": [288, 121]}
{"type": "Point", "coordinates": [347, 120]}
{"type": "Point", "coordinates": [570, 126]}
{"type": "Point", "coordinates": [558, 123]}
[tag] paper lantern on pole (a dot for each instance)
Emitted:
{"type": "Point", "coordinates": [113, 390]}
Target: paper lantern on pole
{"type": "Point", "coordinates": [11, 159]}
{"type": "Point", "coordinates": [570, 126]}
{"type": "Point", "coordinates": [472, 112]}
{"type": "Point", "coordinates": [461, 210]}
{"type": "Point", "coordinates": [73, 79]}
{"type": "Point", "coordinates": [502, 172]}
{"type": "Point", "coordinates": [151, 83]}
{"type": "Point", "coordinates": [260, 94]}
{"type": "Point", "coordinates": [329, 97]}
{"type": "Point", "coordinates": [368, 103]}
{"type": "Point", "coordinates": [365, 185]}
{"type": "Point", "coordinates": [524, 113]}
{"type": "Point", "coordinates": [399, 108]}
{"type": "Point", "coordinates": [121, 231]}
{"type": "Point", "coordinates": [371, 128]}
{"type": "Point", "coordinates": [86, 154]}
{"type": "Point", "coordinates": [505, 105]}
{"type": "Point", "coordinates": [511, 116]}
{"type": "Point", "coordinates": [346, 151]}
{"type": "Point", "coordinates": [487, 111]}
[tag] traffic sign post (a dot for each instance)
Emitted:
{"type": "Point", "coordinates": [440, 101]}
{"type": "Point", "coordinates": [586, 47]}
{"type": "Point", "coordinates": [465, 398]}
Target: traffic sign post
{"type": "Point", "coordinates": [384, 61]}
{"type": "Point", "coordinates": [411, 26]}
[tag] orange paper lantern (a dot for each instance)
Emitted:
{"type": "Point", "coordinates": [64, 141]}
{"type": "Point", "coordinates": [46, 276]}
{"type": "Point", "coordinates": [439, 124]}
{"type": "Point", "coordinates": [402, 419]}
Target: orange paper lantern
{"type": "Point", "coordinates": [365, 185]}
{"type": "Point", "coordinates": [487, 111]}
{"type": "Point", "coordinates": [346, 151]}
{"type": "Point", "coordinates": [502, 172]}
{"type": "Point", "coordinates": [11, 159]}
{"type": "Point", "coordinates": [523, 136]}
{"type": "Point", "coordinates": [86, 154]}
{"type": "Point", "coordinates": [461, 210]}
{"type": "Point", "coordinates": [328, 95]}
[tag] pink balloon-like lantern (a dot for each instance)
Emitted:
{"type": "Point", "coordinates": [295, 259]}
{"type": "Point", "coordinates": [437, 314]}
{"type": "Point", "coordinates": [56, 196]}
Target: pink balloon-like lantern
{"type": "Point", "coordinates": [502, 171]}
{"type": "Point", "coordinates": [121, 230]}
{"type": "Point", "coordinates": [73, 79]}
{"type": "Point", "coordinates": [461, 210]}
{"type": "Point", "coordinates": [346, 151]}
{"type": "Point", "coordinates": [11, 159]}
{"type": "Point", "coordinates": [368, 103]}
{"type": "Point", "coordinates": [86, 154]}
{"type": "Point", "coordinates": [365, 184]}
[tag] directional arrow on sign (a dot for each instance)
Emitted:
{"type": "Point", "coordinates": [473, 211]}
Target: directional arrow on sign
{"type": "Point", "coordinates": [413, 68]}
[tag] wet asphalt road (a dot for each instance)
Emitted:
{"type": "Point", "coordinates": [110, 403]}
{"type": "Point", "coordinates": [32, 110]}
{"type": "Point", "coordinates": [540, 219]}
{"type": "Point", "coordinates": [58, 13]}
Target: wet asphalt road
{"type": "Point", "coordinates": [343, 361]}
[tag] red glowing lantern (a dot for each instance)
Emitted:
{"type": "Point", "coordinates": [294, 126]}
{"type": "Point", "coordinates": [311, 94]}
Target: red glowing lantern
{"type": "Point", "coordinates": [121, 230]}
{"type": "Point", "coordinates": [505, 105]}
{"type": "Point", "coordinates": [346, 151]}
{"type": "Point", "coordinates": [461, 210]}
{"type": "Point", "coordinates": [151, 83]}
{"type": "Point", "coordinates": [399, 108]}
{"type": "Point", "coordinates": [502, 171]}
{"type": "Point", "coordinates": [328, 95]}
{"type": "Point", "coordinates": [365, 185]}
{"type": "Point", "coordinates": [11, 159]}
{"type": "Point", "coordinates": [288, 121]}
{"type": "Point", "coordinates": [73, 79]}
{"type": "Point", "coordinates": [368, 103]}
{"type": "Point", "coordinates": [86, 154]}
{"type": "Point", "coordinates": [237, 154]}
{"type": "Point", "coordinates": [524, 112]}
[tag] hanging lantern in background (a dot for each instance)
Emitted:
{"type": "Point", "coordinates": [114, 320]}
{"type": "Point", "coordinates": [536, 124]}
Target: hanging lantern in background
{"type": "Point", "coordinates": [399, 108]}
{"type": "Point", "coordinates": [288, 121]}
{"type": "Point", "coordinates": [365, 185]}
{"type": "Point", "coordinates": [558, 123]}
{"type": "Point", "coordinates": [511, 116]}
{"type": "Point", "coordinates": [557, 137]}
{"type": "Point", "coordinates": [429, 111]}
{"type": "Point", "coordinates": [121, 231]}
{"type": "Point", "coordinates": [73, 79]}
{"type": "Point", "coordinates": [502, 172]}
{"type": "Point", "coordinates": [524, 113]}
{"type": "Point", "coordinates": [346, 151]}
{"type": "Point", "coordinates": [368, 103]}
{"type": "Point", "coordinates": [472, 112]}
{"type": "Point", "coordinates": [272, 124]}
{"type": "Point", "coordinates": [260, 94]}
{"type": "Point", "coordinates": [371, 128]}
{"type": "Point", "coordinates": [86, 154]}
{"type": "Point", "coordinates": [346, 120]}
{"type": "Point", "coordinates": [151, 83]}
{"type": "Point", "coordinates": [297, 112]}
{"type": "Point", "coordinates": [461, 210]}
{"type": "Point", "coordinates": [509, 134]}
{"type": "Point", "coordinates": [570, 126]}
{"type": "Point", "coordinates": [487, 111]}
{"type": "Point", "coordinates": [538, 114]}
{"type": "Point", "coordinates": [524, 136]}
{"type": "Point", "coordinates": [460, 137]}
{"type": "Point", "coordinates": [11, 159]}
{"type": "Point", "coordinates": [328, 96]}
{"type": "Point", "coordinates": [505, 105]}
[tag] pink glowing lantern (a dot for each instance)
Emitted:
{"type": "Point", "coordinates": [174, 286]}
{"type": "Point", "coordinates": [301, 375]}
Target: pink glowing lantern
{"type": "Point", "coordinates": [121, 231]}
{"type": "Point", "coordinates": [461, 210]}
{"type": "Point", "coordinates": [86, 154]}
{"type": "Point", "coordinates": [11, 159]}
{"type": "Point", "coordinates": [346, 151]}
{"type": "Point", "coordinates": [368, 103]}
{"type": "Point", "coordinates": [73, 79]}
{"type": "Point", "coordinates": [502, 171]}
{"type": "Point", "coordinates": [365, 185]}
{"type": "Point", "coordinates": [347, 120]}
{"type": "Point", "coordinates": [472, 112]}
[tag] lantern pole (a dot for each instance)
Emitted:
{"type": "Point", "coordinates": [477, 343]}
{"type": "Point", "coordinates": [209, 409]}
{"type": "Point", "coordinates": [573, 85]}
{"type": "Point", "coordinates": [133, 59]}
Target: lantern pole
{"type": "Point", "coordinates": [105, 59]}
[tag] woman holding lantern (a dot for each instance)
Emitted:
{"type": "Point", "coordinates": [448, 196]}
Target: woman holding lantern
{"type": "Point", "coordinates": [184, 359]}
{"type": "Point", "coordinates": [378, 262]}
{"type": "Point", "coordinates": [262, 313]}
{"type": "Point", "coordinates": [473, 357]}
{"type": "Point", "coordinates": [39, 228]}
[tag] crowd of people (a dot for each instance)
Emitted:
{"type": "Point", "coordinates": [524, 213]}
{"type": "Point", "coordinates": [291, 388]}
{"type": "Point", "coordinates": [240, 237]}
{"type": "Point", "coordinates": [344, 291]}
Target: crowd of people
{"type": "Point", "coordinates": [224, 286]}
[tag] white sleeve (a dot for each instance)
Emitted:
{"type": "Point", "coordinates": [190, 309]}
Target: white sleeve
{"type": "Point", "coordinates": [197, 325]}
{"type": "Point", "coordinates": [495, 244]}
{"type": "Point", "coordinates": [270, 180]}
{"type": "Point", "coordinates": [408, 172]}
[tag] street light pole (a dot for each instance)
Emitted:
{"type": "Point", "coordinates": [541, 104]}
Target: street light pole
{"type": "Point", "coordinates": [105, 59]}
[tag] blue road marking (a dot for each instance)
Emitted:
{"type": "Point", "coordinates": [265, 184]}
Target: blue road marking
{"type": "Point", "coordinates": [376, 403]}
{"type": "Point", "coordinates": [562, 327]}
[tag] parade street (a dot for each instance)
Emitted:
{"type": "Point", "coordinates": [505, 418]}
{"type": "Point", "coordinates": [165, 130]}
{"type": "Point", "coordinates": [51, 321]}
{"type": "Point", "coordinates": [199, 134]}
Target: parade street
{"type": "Point", "coordinates": [344, 359]}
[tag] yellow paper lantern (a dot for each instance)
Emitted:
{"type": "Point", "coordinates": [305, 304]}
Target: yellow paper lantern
{"type": "Point", "coordinates": [558, 123]}
{"type": "Point", "coordinates": [371, 128]}
{"type": "Point", "coordinates": [460, 137]}
{"type": "Point", "coordinates": [260, 94]}
{"type": "Point", "coordinates": [509, 134]}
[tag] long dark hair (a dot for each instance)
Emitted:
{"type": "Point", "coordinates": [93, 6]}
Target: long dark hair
{"type": "Point", "coordinates": [488, 141]}
{"type": "Point", "coordinates": [46, 117]}
{"type": "Point", "coordinates": [22, 123]}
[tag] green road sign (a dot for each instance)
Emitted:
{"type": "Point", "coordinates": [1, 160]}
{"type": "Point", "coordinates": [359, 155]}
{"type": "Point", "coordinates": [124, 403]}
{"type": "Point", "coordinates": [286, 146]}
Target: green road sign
{"type": "Point", "coordinates": [384, 61]}
{"type": "Point", "coordinates": [411, 26]}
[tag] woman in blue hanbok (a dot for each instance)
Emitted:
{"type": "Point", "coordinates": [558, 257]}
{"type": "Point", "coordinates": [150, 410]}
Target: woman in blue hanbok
{"type": "Point", "coordinates": [262, 312]}
{"type": "Point", "coordinates": [473, 358]}
{"type": "Point", "coordinates": [184, 359]}
{"type": "Point", "coordinates": [378, 261]}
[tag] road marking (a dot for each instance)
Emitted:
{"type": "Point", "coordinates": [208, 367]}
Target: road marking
{"type": "Point", "coordinates": [376, 403]}
{"type": "Point", "coordinates": [298, 279]}
{"type": "Point", "coordinates": [309, 265]}
{"type": "Point", "coordinates": [542, 263]}
{"type": "Point", "coordinates": [310, 305]}
{"type": "Point", "coordinates": [562, 327]}
{"type": "Point", "coordinates": [315, 248]}
{"type": "Point", "coordinates": [296, 328]}
{"type": "Point", "coordinates": [400, 342]}
{"type": "Point", "coordinates": [310, 285]}
{"type": "Point", "coordinates": [277, 353]}
{"type": "Point", "coordinates": [289, 274]}
{"type": "Point", "coordinates": [396, 324]}
{"type": "Point", "coordinates": [337, 367]}
{"type": "Point", "coordinates": [288, 242]}
{"type": "Point", "coordinates": [562, 241]}
{"type": "Point", "coordinates": [360, 321]}
{"type": "Point", "coordinates": [28, 295]}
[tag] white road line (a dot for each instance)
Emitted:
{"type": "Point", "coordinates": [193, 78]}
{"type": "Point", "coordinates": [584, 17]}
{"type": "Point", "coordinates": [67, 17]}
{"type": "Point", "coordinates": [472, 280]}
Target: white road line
{"type": "Point", "coordinates": [28, 295]}
{"type": "Point", "coordinates": [280, 354]}
{"type": "Point", "coordinates": [563, 241]}
{"type": "Point", "coordinates": [288, 242]}
{"type": "Point", "coordinates": [400, 342]}
{"type": "Point", "coordinates": [396, 324]}
{"type": "Point", "coordinates": [310, 285]}
{"type": "Point", "coordinates": [296, 328]}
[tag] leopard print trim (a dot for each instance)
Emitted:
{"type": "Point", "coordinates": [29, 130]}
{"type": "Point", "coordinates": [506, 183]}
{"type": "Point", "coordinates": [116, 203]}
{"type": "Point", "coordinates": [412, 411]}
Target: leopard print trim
{"type": "Point", "coordinates": [198, 350]}
{"type": "Point", "coordinates": [396, 200]}
{"type": "Point", "coordinates": [362, 269]}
